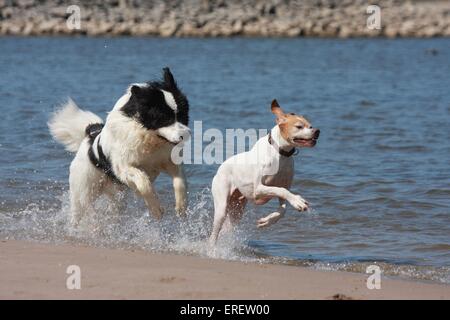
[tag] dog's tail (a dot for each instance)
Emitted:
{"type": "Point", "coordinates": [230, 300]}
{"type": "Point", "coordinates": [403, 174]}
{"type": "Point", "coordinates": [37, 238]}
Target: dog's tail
{"type": "Point", "coordinates": [68, 125]}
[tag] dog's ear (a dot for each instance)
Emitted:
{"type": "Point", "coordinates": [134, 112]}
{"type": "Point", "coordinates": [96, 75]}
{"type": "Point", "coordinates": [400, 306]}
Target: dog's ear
{"type": "Point", "coordinates": [169, 80]}
{"type": "Point", "coordinates": [135, 90]}
{"type": "Point", "coordinates": [276, 110]}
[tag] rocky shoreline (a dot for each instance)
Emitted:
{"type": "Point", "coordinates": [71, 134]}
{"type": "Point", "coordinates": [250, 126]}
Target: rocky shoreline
{"type": "Point", "coordinates": [221, 18]}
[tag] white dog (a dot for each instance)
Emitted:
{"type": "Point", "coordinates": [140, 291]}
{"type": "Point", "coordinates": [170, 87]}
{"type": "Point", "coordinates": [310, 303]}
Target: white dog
{"type": "Point", "coordinates": [263, 173]}
{"type": "Point", "coordinates": [130, 149]}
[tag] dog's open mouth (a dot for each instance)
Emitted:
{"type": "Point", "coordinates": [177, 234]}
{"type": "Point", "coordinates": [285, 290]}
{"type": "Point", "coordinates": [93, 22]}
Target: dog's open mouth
{"type": "Point", "coordinates": [168, 141]}
{"type": "Point", "coordinates": [305, 142]}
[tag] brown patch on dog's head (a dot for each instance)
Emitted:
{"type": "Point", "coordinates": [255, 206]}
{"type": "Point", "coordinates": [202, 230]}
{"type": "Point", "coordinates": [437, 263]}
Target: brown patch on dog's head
{"type": "Point", "coordinates": [295, 129]}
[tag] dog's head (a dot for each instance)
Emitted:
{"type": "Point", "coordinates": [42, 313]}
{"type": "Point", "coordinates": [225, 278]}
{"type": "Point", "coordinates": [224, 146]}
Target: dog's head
{"type": "Point", "coordinates": [295, 129]}
{"type": "Point", "coordinates": [160, 106]}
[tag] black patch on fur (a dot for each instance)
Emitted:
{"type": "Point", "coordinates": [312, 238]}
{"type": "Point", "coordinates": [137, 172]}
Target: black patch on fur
{"type": "Point", "coordinates": [102, 163]}
{"type": "Point", "coordinates": [148, 106]}
{"type": "Point", "coordinates": [93, 130]}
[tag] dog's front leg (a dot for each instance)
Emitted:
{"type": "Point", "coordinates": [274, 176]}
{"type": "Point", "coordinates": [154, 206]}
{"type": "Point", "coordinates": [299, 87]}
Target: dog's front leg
{"type": "Point", "coordinates": [274, 216]}
{"type": "Point", "coordinates": [180, 189]}
{"type": "Point", "coordinates": [140, 182]}
{"type": "Point", "coordinates": [296, 201]}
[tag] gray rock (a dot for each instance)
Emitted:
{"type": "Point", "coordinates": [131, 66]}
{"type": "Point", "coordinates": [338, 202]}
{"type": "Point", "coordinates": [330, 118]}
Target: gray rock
{"type": "Point", "coordinates": [214, 18]}
{"type": "Point", "coordinates": [168, 28]}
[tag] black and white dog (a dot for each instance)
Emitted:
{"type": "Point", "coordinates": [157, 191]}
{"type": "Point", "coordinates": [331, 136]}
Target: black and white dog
{"type": "Point", "coordinates": [130, 149]}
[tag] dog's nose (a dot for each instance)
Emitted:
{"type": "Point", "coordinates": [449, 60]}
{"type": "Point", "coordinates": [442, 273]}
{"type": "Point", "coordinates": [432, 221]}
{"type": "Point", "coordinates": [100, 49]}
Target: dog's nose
{"type": "Point", "coordinates": [316, 133]}
{"type": "Point", "coordinates": [185, 135]}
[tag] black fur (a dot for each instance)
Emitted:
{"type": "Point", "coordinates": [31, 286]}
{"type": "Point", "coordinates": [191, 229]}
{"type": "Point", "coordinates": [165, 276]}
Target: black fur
{"type": "Point", "coordinates": [93, 130]}
{"type": "Point", "coordinates": [148, 106]}
{"type": "Point", "coordinates": [102, 163]}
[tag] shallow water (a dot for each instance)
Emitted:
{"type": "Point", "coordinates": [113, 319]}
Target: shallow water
{"type": "Point", "coordinates": [378, 180]}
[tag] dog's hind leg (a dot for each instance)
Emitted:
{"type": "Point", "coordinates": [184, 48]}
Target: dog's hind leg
{"type": "Point", "coordinates": [220, 191]}
{"type": "Point", "coordinates": [81, 202]}
{"type": "Point", "coordinates": [76, 210]}
{"type": "Point", "coordinates": [235, 210]}
{"type": "Point", "coordinates": [85, 184]}
{"type": "Point", "coordinates": [274, 216]}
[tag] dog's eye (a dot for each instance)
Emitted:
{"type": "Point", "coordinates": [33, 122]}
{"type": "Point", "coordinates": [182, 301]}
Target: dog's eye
{"type": "Point", "coordinates": [300, 127]}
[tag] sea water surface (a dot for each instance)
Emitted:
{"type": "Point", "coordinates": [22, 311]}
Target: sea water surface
{"type": "Point", "coordinates": [378, 180]}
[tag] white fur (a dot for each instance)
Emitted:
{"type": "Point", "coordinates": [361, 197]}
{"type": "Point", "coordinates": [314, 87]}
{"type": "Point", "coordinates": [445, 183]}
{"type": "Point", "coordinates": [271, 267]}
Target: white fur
{"type": "Point", "coordinates": [259, 175]}
{"type": "Point", "coordinates": [170, 100]}
{"type": "Point", "coordinates": [122, 100]}
{"type": "Point", "coordinates": [175, 133]}
{"type": "Point", "coordinates": [137, 155]}
{"type": "Point", "coordinates": [67, 125]}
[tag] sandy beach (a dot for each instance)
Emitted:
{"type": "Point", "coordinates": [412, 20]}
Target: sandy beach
{"type": "Point", "coordinates": [38, 271]}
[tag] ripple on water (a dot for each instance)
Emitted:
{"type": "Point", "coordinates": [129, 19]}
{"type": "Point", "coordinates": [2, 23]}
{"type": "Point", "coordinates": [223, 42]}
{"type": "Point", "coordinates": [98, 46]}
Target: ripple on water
{"type": "Point", "coordinates": [399, 148]}
{"type": "Point", "coordinates": [374, 178]}
{"type": "Point", "coordinates": [304, 183]}
{"type": "Point", "coordinates": [438, 193]}
{"type": "Point", "coordinates": [444, 247]}
{"type": "Point", "coordinates": [407, 214]}
{"type": "Point", "coordinates": [438, 274]}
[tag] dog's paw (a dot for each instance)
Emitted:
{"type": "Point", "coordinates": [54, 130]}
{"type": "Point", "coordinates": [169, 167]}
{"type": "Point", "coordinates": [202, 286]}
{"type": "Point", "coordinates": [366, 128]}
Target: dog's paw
{"type": "Point", "coordinates": [263, 223]}
{"type": "Point", "coordinates": [157, 212]}
{"type": "Point", "coordinates": [74, 222]}
{"type": "Point", "coordinates": [269, 220]}
{"type": "Point", "coordinates": [299, 203]}
{"type": "Point", "coordinates": [180, 210]}
{"type": "Point", "coordinates": [211, 249]}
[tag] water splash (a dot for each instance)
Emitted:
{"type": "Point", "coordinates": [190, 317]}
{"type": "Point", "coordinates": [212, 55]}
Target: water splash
{"type": "Point", "coordinates": [132, 229]}
{"type": "Point", "coordinates": [136, 229]}
{"type": "Point", "coordinates": [437, 274]}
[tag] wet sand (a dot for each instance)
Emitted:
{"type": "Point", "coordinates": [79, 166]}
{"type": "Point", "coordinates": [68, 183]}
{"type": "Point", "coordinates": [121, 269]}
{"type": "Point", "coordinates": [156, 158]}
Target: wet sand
{"type": "Point", "coordinates": [38, 271]}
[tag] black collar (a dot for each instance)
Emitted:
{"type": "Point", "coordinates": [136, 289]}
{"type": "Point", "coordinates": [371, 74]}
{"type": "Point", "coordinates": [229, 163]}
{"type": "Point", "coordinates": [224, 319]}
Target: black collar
{"type": "Point", "coordinates": [102, 163]}
{"type": "Point", "coordinates": [280, 151]}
